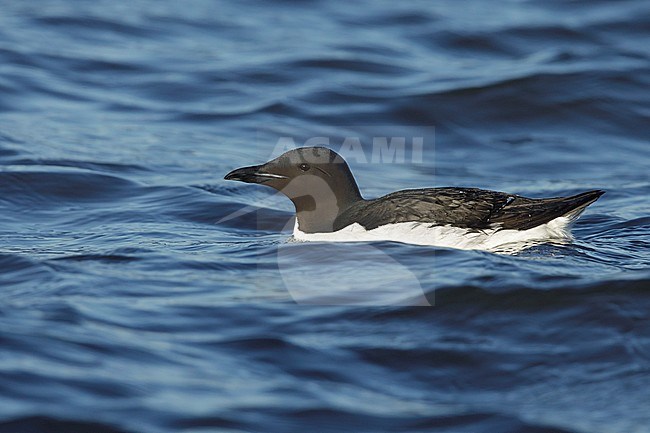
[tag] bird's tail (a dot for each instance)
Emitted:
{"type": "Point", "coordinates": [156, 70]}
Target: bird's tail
{"type": "Point", "coordinates": [576, 204]}
{"type": "Point", "coordinates": [528, 213]}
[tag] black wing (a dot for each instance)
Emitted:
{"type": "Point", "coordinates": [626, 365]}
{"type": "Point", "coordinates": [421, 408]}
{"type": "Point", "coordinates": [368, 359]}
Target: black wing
{"type": "Point", "coordinates": [470, 208]}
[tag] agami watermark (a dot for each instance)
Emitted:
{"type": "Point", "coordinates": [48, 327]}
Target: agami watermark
{"type": "Point", "coordinates": [364, 150]}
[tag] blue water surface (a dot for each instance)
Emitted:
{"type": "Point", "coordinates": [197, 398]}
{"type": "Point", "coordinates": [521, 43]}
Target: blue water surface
{"type": "Point", "coordinates": [140, 292]}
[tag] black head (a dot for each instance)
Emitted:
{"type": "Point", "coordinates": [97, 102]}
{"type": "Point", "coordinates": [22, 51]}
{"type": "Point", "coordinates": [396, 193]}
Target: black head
{"type": "Point", "coordinates": [316, 179]}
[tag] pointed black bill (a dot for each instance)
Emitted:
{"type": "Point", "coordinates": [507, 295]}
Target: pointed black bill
{"type": "Point", "coordinates": [252, 174]}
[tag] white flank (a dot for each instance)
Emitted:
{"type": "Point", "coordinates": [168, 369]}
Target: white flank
{"type": "Point", "coordinates": [447, 236]}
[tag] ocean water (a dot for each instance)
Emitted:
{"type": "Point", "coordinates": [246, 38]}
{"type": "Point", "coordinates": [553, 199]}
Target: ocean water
{"type": "Point", "coordinates": [140, 292]}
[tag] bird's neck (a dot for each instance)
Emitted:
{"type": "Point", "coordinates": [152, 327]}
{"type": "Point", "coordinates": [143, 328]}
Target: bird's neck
{"type": "Point", "coordinates": [318, 216]}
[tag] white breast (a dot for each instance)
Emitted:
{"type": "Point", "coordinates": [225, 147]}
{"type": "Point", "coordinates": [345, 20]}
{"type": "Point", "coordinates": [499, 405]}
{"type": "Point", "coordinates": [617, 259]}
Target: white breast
{"type": "Point", "coordinates": [447, 236]}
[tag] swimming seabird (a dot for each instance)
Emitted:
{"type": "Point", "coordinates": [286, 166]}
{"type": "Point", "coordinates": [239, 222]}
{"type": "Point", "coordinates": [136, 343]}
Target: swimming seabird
{"type": "Point", "coordinates": [329, 207]}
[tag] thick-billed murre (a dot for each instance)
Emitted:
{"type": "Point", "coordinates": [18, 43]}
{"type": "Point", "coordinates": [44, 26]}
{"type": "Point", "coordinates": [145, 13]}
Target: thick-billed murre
{"type": "Point", "coordinates": [329, 207]}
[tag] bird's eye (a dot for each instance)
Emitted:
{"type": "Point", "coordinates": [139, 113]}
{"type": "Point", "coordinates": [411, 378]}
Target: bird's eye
{"type": "Point", "coordinates": [304, 167]}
